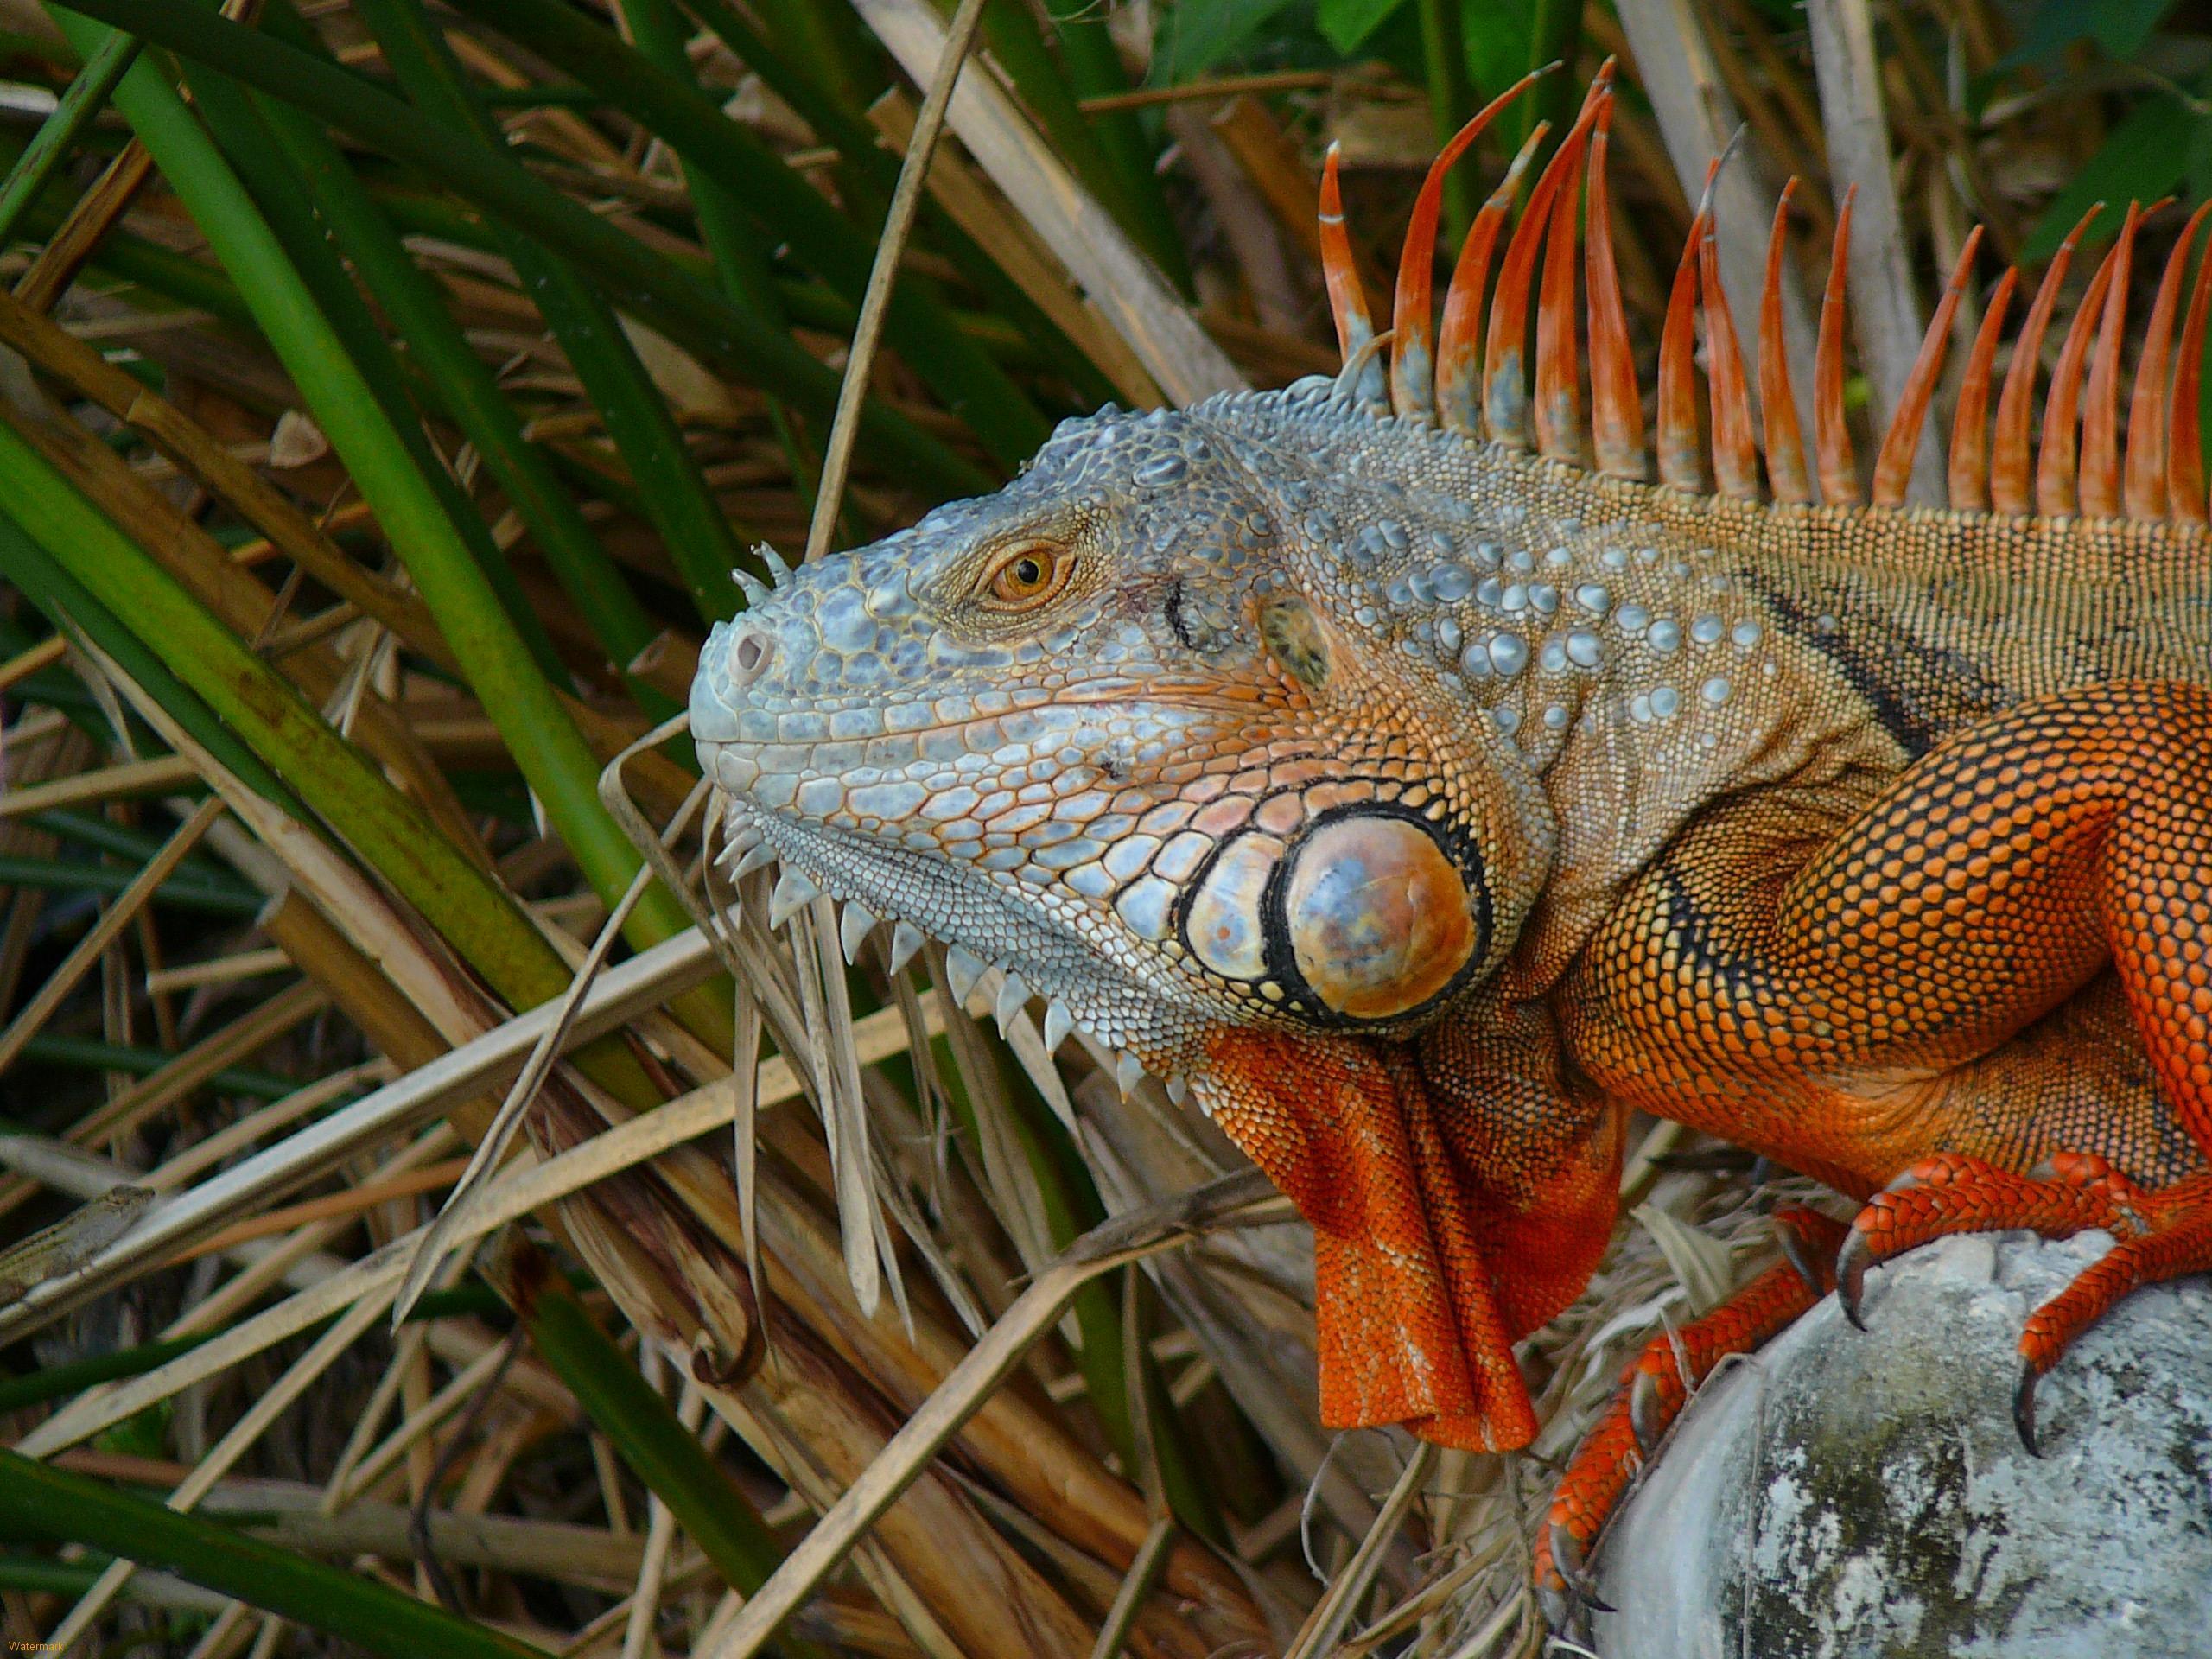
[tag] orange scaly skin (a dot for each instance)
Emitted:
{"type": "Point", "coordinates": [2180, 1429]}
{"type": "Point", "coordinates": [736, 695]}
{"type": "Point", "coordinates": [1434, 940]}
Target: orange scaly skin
{"type": "Point", "coordinates": [1420, 805]}
{"type": "Point", "coordinates": [1850, 1012]}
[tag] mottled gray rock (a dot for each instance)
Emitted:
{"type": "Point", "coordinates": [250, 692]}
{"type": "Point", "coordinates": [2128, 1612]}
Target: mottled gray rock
{"type": "Point", "coordinates": [1849, 1495]}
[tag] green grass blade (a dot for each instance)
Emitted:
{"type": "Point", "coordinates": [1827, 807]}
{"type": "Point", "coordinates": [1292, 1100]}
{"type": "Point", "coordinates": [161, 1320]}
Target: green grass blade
{"type": "Point", "coordinates": [59, 1381]}
{"type": "Point", "coordinates": [692, 527]}
{"type": "Point", "coordinates": [39, 1572]}
{"type": "Point", "coordinates": [267, 718]}
{"type": "Point", "coordinates": [1017, 44]}
{"type": "Point", "coordinates": [463, 384]}
{"type": "Point", "coordinates": [740, 263]}
{"type": "Point", "coordinates": [261, 708]}
{"type": "Point", "coordinates": [94, 1055]}
{"type": "Point", "coordinates": [50, 586]}
{"type": "Point", "coordinates": [180, 280]}
{"type": "Point", "coordinates": [124, 842]}
{"type": "Point", "coordinates": [1094, 69]}
{"type": "Point", "coordinates": [473, 1299]}
{"type": "Point", "coordinates": [660, 1451]}
{"type": "Point", "coordinates": [43, 1505]}
{"type": "Point", "coordinates": [1451, 99]}
{"type": "Point", "coordinates": [1071, 1206]}
{"type": "Point", "coordinates": [870, 163]}
{"type": "Point", "coordinates": [915, 323]}
{"type": "Point", "coordinates": [656, 290]}
{"type": "Point", "coordinates": [827, 36]}
{"type": "Point", "coordinates": [213, 899]}
{"type": "Point", "coordinates": [694, 530]}
{"type": "Point", "coordinates": [278, 192]}
{"type": "Point", "coordinates": [1554, 36]}
{"type": "Point", "coordinates": [173, 275]}
{"type": "Point", "coordinates": [1001, 327]}
{"type": "Point", "coordinates": [58, 134]}
{"type": "Point", "coordinates": [530, 719]}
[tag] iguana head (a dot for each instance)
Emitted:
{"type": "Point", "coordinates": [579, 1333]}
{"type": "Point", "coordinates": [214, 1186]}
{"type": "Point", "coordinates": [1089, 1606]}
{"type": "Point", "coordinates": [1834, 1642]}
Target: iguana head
{"type": "Point", "coordinates": [1118, 730]}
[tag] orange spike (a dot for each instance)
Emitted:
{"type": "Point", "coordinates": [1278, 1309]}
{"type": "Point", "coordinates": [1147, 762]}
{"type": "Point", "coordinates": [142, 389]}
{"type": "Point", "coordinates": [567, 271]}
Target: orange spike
{"type": "Point", "coordinates": [1969, 469]}
{"type": "Point", "coordinates": [1679, 466]}
{"type": "Point", "coordinates": [1505, 397]}
{"type": "Point", "coordinates": [2008, 466]}
{"type": "Point", "coordinates": [1616, 404]}
{"type": "Point", "coordinates": [1785, 448]}
{"type": "Point", "coordinates": [1735, 460]}
{"type": "Point", "coordinates": [1893, 463]}
{"type": "Point", "coordinates": [2054, 461]}
{"type": "Point", "coordinates": [1559, 376]}
{"type": "Point", "coordinates": [1347, 299]}
{"type": "Point", "coordinates": [1458, 365]}
{"type": "Point", "coordinates": [2101, 428]}
{"type": "Point", "coordinates": [1831, 433]}
{"type": "Point", "coordinates": [2146, 488]}
{"type": "Point", "coordinates": [2185, 455]}
{"type": "Point", "coordinates": [1411, 365]}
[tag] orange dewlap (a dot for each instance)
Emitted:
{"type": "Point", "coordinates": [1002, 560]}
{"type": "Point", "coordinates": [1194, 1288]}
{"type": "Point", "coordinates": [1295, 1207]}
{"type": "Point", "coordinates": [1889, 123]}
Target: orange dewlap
{"type": "Point", "coordinates": [1859, 963]}
{"type": "Point", "coordinates": [1416, 1319]}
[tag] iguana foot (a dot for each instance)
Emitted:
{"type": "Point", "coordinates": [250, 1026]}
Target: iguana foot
{"type": "Point", "coordinates": [1653, 1388]}
{"type": "Point", "coordinates": [2163, 1233]}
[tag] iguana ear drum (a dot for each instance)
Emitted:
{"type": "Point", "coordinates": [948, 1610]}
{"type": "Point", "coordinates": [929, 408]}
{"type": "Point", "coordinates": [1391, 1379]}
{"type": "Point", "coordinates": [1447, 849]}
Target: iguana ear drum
{"type": "Point", "coordinates": [1379, 918]}
{"type": "Point", "coordinates": [1366, 914]}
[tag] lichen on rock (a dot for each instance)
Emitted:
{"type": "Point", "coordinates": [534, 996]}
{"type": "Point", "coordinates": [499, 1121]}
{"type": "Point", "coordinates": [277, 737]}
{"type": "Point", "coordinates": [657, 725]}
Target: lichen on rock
{"type": "Point", "coordinates": [1849, 1495]}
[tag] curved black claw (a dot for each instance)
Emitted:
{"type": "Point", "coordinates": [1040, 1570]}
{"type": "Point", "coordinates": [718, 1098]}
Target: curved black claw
{"type": "Point", "coordinates": [1851, 1264]}
{"type": "Point", "coordinates": [1643, 1409]}
{"type": "Point", "coordinates": [1565, 1616]}
{"type": "Point", "coordinates": [1566, 1561]}
{"type": "Point", "coordinates": [2023, 1408]}
{"type": "Point", "coordinates": [1799, 1255]}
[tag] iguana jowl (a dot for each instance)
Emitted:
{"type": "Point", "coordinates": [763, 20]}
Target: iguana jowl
{"type": "Point", "coordinates": [1423, 803]}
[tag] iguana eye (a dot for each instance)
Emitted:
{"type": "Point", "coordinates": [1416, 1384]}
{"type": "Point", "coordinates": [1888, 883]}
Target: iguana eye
{"type": "Point", "coordinates": [1026, 577]}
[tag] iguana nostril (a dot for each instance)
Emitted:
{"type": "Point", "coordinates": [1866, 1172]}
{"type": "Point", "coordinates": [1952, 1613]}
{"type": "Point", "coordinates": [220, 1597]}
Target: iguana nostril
{"type": "Point", "coordinates": [749, 655]}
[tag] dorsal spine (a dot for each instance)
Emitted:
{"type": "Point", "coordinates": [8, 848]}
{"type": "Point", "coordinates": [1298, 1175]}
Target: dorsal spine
{"type": "Point", "coordinates": [1473, 377]}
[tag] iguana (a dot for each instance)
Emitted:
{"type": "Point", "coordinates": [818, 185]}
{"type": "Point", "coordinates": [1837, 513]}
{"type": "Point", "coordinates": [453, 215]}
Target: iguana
{"type": "Point", "coordinates": [1391, 766]}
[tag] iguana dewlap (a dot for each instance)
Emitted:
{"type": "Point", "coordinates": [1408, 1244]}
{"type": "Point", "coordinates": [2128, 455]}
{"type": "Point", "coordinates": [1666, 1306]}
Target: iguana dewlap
{"type": "Point", "coordinates": [1423, 801]}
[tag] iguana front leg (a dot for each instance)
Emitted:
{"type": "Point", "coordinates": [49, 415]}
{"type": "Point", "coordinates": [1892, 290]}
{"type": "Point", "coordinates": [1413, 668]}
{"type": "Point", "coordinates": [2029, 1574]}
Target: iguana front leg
{"type": "Point", "coordinates": [1460, 1193]}
{"type": "Point", "coordinates": [1654, 1388]}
